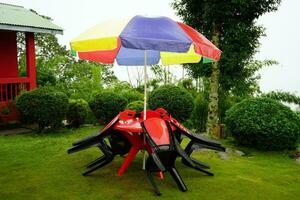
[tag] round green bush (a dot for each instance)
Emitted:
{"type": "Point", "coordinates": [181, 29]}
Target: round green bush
{"type": "Point", "coordinates": [176, 100]}
{"type": "Point", "coordinates": [264, 124]}
{"type": "Point", "coordinates": [132, 95]}
{"type": "Point", "coordinates": [77, 112]}
{"type": "Point", "coordinates": [43, 106]}
{"type": "Point", "coordinates": [137, 106]}
{"type": "Point", "coordinates": [106, 105]}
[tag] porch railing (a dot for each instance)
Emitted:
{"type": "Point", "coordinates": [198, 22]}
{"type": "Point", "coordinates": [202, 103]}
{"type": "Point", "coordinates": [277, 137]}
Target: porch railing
{"type": "Point", "coordinates": [10, 88]}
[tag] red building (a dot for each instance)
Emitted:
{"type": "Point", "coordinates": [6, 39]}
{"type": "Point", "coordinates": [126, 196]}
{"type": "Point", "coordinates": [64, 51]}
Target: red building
{"type": "Point", "coordinates": [15, 19]}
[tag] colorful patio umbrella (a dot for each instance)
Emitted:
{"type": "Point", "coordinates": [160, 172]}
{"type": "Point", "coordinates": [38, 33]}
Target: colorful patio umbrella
{"type": "Point", "coordinates": [144, 41]}
{"type": "Point", "coordinates": [126, 40]}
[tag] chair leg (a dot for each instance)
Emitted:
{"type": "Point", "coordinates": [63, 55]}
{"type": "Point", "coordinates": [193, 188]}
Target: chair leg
{"type": "Point", "coordinates": [79, 148]}
{"type": "Point", "coordinates": [174, 173]}
{"type": "Point", "coordinates": [189, 150]}
{"type": "Point", "coordinates": [151, 180]}
{"type": "Point", "coordinates": [201, 164]}
{"type": "Point", "coordinates": [102, 164]}
{"type": "Point", "coordinates": [130, 156]}
{"type": "Point", "coordinates": [196, 162]}
{"type": "Point", "coordinates": [203, 170]}
{"type": "Point", "coordinates": [95, 162]}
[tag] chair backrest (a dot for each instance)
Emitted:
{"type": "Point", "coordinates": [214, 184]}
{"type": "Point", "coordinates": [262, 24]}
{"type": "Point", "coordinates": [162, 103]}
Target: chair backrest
{"type": "Point", "coordinates": [159, 135]}
{"type": "Point", "coordinates": [158, 131]}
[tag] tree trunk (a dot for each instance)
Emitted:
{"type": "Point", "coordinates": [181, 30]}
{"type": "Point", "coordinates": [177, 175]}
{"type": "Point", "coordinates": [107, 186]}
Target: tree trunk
{"type": "Point", "coordinates": [213, 113]}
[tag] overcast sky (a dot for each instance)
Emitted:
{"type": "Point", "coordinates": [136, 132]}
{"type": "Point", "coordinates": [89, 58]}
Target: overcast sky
{"type": "Point", "coordinates": [281, 43]}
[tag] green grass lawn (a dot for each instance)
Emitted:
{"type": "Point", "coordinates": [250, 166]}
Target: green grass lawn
{"type": "Point", "coordinates": [38, 167]}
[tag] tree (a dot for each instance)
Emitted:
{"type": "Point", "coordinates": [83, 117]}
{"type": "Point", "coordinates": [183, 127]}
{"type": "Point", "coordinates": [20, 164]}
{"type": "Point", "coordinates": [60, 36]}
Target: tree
{"type": "Point", "coordinates": [162, 74]}
{"type": "Point", "coordinates": [80, 79]}
{"type": "Point", "coordinates": [51, 57]}
{"type": "Point", "coordinates": [56, 67]}
{"type": "Point", "coordinates": [285, 97]}
{"type": "Point", "coordinates": [231, 26]}
{"type": "Point", "coordinates": [46, 44]}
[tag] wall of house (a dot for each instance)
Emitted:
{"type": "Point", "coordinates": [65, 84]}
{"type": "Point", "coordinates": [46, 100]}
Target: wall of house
{"type": "Point", "coordinates": [8, 54]}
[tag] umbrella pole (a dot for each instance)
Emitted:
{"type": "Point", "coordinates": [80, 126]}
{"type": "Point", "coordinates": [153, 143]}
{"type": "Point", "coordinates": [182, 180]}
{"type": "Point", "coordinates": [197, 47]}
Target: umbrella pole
{"type": "Point", "coordinates": [145, 103]}
{"type": "Point", "coordinates": [145, 84]}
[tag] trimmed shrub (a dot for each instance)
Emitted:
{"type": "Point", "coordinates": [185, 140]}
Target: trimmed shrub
{"type": "Point", "coordinates": [264, 124]}
{"type": "Point", "coordinates": [43, 106]}
{"type": "Point", "coordinates": [176, 100]}
{"type": "Point", "coordinates": [106, 105]}
{"type": "Point", "coordinates": [77, 112]}
{"type": "Point", "coordinates": [137, 106]}
{"type": "Point", "coordinates": [132, 95]}
{"type": "Point", "coordinates": [91, 118]}
{"type": "Point", "coordinates": [199, 115]}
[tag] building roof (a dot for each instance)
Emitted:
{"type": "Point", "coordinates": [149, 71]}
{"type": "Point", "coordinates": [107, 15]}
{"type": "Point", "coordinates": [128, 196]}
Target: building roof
{"type": "Point", "coordinates": [17, 18]}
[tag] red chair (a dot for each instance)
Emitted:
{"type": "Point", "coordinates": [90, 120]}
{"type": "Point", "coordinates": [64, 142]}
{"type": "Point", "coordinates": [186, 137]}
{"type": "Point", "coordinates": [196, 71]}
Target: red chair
{"type": "Point", "coordinates": [160, 135]}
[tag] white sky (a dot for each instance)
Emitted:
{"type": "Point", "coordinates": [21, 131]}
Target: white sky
{"type": "Point", "coordinates": [281, 44]}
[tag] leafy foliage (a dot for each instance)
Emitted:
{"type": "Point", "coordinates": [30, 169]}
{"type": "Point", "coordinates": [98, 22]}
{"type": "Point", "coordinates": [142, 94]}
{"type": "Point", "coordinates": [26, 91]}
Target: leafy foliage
{"type": "Point", "coordinates": [188, 84]}
{"type": "Point", "coordinates": [43, 106]}
{"type": "Point", "coordinates": [46, 44]}
{"type": "Point", "coordinates": [298, 113]}
{"type": "Point", "coordinates": [283, 96]}
{"type": "Point", "coordinates": [50, 57]}
{"type": "Point", "coordinates": [119, 86]}
{"type": "Point", "coordinates": [131, 95]}
{"type": "Point", "coordinates": [47, 70]}
{"type": "Point", "coordinates": [137, 106]}
{"type": "Point", "coordinates": [225, 103]}
{"type": "Point", "coordinates": [77, 112]}
{"type": "Point", "coordinates": [238, 35]}
{"type": "Point", "coordinates": [263, 123]}
{"type": "Point", "coordinates": [80, 79]}
{"type": "Point", "coordinates": [162, 74]}
{"type": "Point", "coordinates": [56, 67]}
{"type": "Point", "coordinates": [248, 85]}
{"type": "Point", "coordinates": [106, 105]}
{"type": "Point", "coordinates": [177, 101]}
{"type": "Point", "coordinates": [199, 115]}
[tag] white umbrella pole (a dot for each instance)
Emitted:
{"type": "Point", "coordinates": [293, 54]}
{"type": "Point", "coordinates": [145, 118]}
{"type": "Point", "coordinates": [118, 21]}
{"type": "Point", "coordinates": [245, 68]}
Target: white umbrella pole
{"type": "Point", "coordinates": [145, 102]}
{"type": "Point", "coordinates": [145, 83]}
